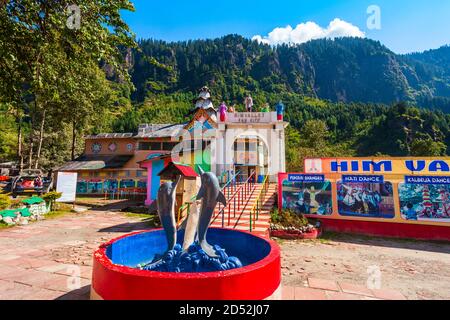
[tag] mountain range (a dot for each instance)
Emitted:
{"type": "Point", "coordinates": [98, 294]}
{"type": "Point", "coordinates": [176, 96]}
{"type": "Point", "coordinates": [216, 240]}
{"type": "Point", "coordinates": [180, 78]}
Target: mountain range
{"type": "Point", "coordinates": [339, 70]}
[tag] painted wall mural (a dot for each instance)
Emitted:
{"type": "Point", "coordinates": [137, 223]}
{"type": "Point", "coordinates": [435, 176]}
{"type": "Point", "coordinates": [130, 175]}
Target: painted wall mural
{"type": "Point", "coordinates": [423, 199]}
{"type": "Point", "coordinates": [112, 147]}
{"type": "Point", "coordinates": [365, 196]}
{"type": "Point", "coordinates": [96, 147]}
{"type": "Point", "coordinates": [412, 191]}
{"type": "Point", "coordinates": [307, 194]}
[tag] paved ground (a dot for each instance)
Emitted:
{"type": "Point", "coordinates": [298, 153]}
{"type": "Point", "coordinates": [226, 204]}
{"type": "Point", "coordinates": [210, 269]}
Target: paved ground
{"type": "Point", "coordinates": [42, 261]}
{"type": "Point", "coordinates": [416, 269]}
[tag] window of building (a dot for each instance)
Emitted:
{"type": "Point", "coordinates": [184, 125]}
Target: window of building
{"type": "Point", "coordinates": [127, 183]}
{"type": "Point", "coordinates": [149, 145]}
{"type": "Point", "coordinates": [168, 146]}
{"type": "Point", "coordinates": [252, 146]}
{"type": "Point", "coordinates": [141, 173]}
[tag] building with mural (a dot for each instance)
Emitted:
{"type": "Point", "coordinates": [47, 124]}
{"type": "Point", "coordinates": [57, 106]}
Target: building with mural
{"type": "Point", "coordinates": [402, 197]}
{"type": "Point", "coordinates": [221, 141]}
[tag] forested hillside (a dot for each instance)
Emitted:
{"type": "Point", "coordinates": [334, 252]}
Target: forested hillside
{"type": "Point", "coordinates": [340, 70]}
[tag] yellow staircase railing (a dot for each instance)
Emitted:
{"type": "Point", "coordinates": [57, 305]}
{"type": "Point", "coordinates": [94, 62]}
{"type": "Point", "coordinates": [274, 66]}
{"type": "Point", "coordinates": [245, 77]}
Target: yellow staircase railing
{"type": "Point", "coordinates": [256, 209]}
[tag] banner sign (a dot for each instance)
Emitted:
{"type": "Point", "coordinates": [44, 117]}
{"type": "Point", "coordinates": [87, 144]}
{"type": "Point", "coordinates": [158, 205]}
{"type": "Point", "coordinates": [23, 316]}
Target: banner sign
{"type": "Point", "coordinates": [362, 179]}
{"type": "Point", "coordinates": [67, 185]}
{"type": "Point", "coordinates": [427, 180]}
{"type": "Point", "coordinates": [401, 166]}
{"type": "Point", "coordinates": [249, 117]}
{"type": "Point", "coordinates": [306, 177]}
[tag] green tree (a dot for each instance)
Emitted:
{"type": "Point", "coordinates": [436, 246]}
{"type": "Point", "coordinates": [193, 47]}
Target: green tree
{"type": "Point", "coordinates": [41, 43]}
{"type": "Point", "coordinates": [427, 148]}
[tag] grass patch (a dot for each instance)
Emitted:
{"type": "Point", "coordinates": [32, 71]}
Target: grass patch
{"type": "Point", "coordinates": [151, 220]}
{"type": "Point", "coordinates": [4, 225]}
{"type": "Point", "coordinates": [138, 215]}
{"type": "Point", "coordinates": [322, 240]}
{"type": "Point", "coordinates": [55, 214]}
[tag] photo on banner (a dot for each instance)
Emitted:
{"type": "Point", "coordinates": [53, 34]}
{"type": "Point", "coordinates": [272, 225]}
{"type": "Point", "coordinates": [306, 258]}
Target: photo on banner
{"type": "Point", "coordinates": [307, 194]}
{"type": "Point", "coordinates": [425, 198]}
{"type": "Point", "coordinates": [365, 196]}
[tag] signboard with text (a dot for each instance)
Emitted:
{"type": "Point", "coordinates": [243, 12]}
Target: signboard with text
{"type": "Point", "coordinates": [397, 166]}
{"type": "Point", "coordinates": [67, 185]}
{"type": "Point", "coordinates": [249, 117]}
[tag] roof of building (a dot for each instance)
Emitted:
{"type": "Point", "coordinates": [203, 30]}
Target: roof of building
{"type": "Point", "coordinates": [110, 136]}
{"type": "Point", "coordinates": [155, 156]}
{"type": "Point", "coordinates": [172, 168]}
{"type": "Point", "coordinates": [94, 162]}
{"type": "Point", "coordinates": [162, 131]}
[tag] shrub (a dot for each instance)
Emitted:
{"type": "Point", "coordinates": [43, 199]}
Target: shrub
{"type": "Point", "coordinates": [51, 197]}
{"type": "Point", "coordinates": [5, 201]}
{"type": "Point", "coordinates": [288, 218]}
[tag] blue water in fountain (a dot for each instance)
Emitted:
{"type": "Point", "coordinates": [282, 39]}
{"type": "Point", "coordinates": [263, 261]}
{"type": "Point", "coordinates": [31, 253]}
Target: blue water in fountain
{"type": "Point", "coordinates": [147, 247]}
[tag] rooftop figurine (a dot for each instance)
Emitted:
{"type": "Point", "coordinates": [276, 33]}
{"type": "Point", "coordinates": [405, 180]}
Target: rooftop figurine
{"type": "Point", "coordinates": [249, 103]}
{"type": "Point", "coordinates": [223, 112]}
{"type": "Point", "coordinates": [280, 110]}
{"type": "Point", "coordinates": [266, 108]}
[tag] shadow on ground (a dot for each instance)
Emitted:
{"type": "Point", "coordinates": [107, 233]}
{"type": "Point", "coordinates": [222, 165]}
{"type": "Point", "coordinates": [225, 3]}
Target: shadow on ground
{"type": "Point", "coordinates": [78, 294]}
{"type": "Point", "coordinates": [128, 227]}
{"type": "Point", "coordinates": [421, 245]}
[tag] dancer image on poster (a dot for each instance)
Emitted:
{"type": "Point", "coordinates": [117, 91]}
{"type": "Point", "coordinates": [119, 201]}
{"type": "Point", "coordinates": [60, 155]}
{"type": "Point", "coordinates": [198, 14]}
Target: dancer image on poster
{"type": "Point", "coordinates": [445, 212]}
{"type": "Point", "coordinates": [410, 213]}
{"type": "Point", "coordinates": [301, 203]}
{"type": "Point", "coordinates": [349, 198]}
{"type": "Point", "coordinates": [308, 197]}
{"type": "Point", "coordinates": [362, 199]}
{"type": "Point", "coordinates": [313, 204]}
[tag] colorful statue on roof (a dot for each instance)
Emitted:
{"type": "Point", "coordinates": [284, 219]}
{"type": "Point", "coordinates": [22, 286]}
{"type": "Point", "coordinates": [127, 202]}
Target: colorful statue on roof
{"type": "Point", "coordinates": [249, 103]}
{"type": "Point", "coordinates": [223, 112]}
{"type": "Point", "coordinates": [203, 100]}
{"type": "Point", "coordinates": [266, 108]}
{"type": "Point", "coordinates": [280, 111]}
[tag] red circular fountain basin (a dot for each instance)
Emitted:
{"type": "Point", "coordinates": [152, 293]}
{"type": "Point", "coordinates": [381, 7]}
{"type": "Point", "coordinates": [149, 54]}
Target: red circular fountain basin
{"type": "Point", "coordinates": [115, 278]}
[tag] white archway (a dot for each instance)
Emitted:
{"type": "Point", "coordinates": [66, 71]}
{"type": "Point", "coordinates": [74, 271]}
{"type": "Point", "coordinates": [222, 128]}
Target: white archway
{"type": "Point", "coordinates": [269, 132]}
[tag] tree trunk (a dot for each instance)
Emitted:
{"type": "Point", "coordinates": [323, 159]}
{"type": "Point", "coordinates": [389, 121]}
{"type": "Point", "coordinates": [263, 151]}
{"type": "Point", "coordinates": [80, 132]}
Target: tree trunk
{"type": "Point", "coordinates": [30, 154]}
{"type": "Point", "coordinates": [41, 138]}
{"type": "Point", "coordinates": [31, 137]}
{"type": "Point", "coordinates": [74, 139]}
{"type": "Point", "coordinates": [19, 142]}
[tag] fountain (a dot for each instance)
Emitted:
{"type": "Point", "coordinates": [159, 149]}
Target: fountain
{"type": "Point", "coordinates": [194, 262]}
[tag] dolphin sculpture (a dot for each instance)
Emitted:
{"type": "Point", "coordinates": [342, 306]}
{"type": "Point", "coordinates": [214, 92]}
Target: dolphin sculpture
{"type": "Point", "coordinates": [165, 206]}
{"type": "Point", "coordinates": [190, 226]}
{"type": "Point", "coordinates": [210, 194]}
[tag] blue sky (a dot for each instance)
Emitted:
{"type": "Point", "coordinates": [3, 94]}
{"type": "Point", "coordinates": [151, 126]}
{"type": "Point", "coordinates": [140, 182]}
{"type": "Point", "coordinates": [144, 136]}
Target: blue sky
{"type": "Point", "coordinates": [406, 25]}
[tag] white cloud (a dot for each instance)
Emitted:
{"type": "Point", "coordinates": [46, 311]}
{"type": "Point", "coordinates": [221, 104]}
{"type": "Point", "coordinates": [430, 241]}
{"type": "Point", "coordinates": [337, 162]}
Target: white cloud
{"type": "Point", "coordinates": [310, 31]}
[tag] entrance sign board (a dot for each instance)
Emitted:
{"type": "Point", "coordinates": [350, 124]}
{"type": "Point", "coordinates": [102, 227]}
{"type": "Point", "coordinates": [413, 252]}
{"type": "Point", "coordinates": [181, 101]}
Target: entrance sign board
{"type": "Point", "coordinates": [249, 117]}
{"type": "Point", "coordinates": [67, 185]}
